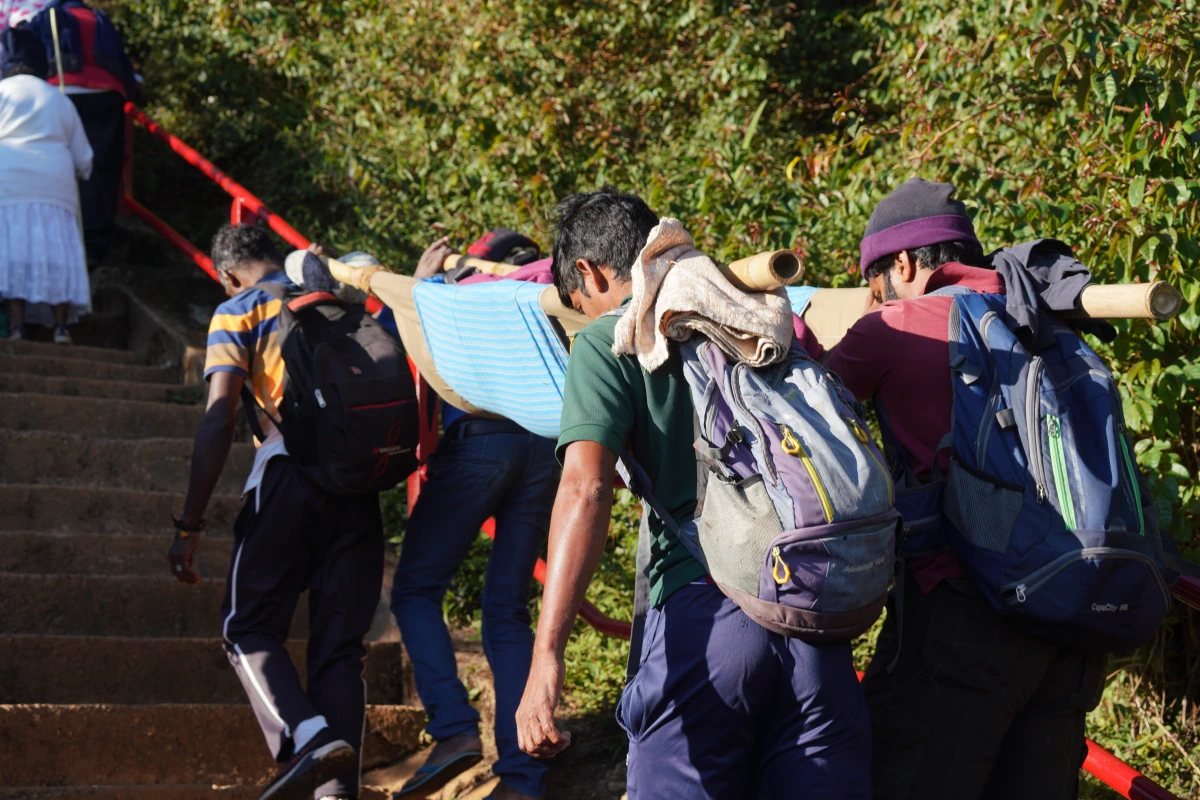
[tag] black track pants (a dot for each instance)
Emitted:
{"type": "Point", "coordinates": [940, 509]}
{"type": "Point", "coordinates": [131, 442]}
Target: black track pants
{"type": "Point", "coordinates": [291, 536]}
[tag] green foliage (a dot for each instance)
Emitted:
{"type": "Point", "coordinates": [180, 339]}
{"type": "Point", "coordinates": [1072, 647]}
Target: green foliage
{"type": "Point", "coordinates": [364, 123]}
{"type": "Point", "coordinates": [759, 125]}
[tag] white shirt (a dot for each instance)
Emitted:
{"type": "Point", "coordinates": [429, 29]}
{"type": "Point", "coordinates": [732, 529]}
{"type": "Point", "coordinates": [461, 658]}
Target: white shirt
{"type": "Point", "coordinates": [42, 144]}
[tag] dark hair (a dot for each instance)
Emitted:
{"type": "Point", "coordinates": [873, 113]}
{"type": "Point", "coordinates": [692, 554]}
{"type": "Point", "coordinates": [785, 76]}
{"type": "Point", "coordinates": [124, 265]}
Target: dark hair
{"type": "Point", "coordinates": [12, 72]}
{"type": "Point", "coordinates": [234, 245]}
{"type": "Point", "coordinates": [606, 228]}
{"type": "Point", "coordinates": [931, 256]}
{"type": "Point", "coordinates": [24, 53]}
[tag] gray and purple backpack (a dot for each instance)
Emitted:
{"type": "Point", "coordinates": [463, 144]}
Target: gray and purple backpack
{"type": "Point", "coordinates": [796, 522]}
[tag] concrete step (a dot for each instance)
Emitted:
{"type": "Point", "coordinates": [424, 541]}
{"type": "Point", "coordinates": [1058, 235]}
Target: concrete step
{"type": "Point", "coordinates": [103, 553]}
{"type": "Point", "coordinates": [158, 465]}
{"type": "Point", "coordinates": [151, 792]}
{"type": "Point", "coordinates": [45, 669]}
{"type": "Point", "coordinates": [25, 507]}
{"type": "Point", "coordinates": [91, 416]}
{"type": "Point", "coordinates": [46, 350]}
{"type": "Point", "coordinates": [117, 605]}
{"type": "Point", "coordinates": [91, 387]}
{"type": "Point", "coordinates": [116, 745]}
{"type": "Point", "coordinates": [156, 792]}
{"type": "Point", "coordinates": [80, 368]}
{"type": "Point", "coordinates": [100, 330]}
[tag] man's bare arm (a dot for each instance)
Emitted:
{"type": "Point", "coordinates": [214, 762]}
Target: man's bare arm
{"type": "Point", "coordinates": [214, 437]}
{"type": "Point", "coordinates": [578, 530]}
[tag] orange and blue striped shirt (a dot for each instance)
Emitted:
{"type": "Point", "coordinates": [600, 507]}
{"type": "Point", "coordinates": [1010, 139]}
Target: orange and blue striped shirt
{"type": "Point", "coordinates": [243, 339]}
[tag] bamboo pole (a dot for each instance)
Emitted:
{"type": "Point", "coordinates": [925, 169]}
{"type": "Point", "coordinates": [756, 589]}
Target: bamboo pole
{"type": "Point", "coordinates": [1158, 300]}
{"type": "Point", "coordinates": [62, 88]}
{"type": "Point", "coordinates": [490, 267]}
{"type": "Point", "coordinates": [831, 312]}
{"type": "Point", "coordinates": [764, 272]}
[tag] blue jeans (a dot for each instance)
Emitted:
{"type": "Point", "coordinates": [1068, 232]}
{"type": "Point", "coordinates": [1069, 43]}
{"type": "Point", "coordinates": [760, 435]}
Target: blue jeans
{"type": "Point", "coordinates": [512, 477]}
{"type": "Point", "coordinates": [722, 708]}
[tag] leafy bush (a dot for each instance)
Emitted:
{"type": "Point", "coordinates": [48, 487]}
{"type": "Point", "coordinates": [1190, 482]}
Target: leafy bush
{"type": "Point", "coordinates": [760, 125]}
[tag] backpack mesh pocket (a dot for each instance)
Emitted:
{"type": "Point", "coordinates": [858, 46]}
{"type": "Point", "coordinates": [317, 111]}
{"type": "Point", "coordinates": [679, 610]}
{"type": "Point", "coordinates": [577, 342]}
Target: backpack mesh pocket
{"type": "Point", "coordinates": [983, 512]}
{"type": "Point", "coordinates": [736, 528]}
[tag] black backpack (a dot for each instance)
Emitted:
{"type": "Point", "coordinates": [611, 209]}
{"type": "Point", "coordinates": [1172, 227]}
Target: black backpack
{"type": "Point", "coordinates": [349, 410]}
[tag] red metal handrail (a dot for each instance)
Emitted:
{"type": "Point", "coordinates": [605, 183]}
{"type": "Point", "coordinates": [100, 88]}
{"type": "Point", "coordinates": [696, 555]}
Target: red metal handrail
{"type": "Point", "coordinates": [1120, 777]}
{"type": "Point", "coordinates": [245, 205]}
{"type": "Point", "coordinates": [1187, 591]}
{"type": "Point", "coordinates": [1107, 768]}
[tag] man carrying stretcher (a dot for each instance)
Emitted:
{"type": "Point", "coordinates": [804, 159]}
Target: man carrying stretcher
{"type": "Point", "coordinates": [966, 704]}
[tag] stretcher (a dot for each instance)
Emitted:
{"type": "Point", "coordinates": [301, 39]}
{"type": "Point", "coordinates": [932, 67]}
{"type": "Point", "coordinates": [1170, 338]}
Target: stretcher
{"type": "Point", "coordinates": [500, 349]}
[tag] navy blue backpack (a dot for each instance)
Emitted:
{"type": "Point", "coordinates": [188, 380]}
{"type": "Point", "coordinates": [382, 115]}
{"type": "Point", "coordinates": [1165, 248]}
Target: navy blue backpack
{"type": "Point", "coordinates": [1044, 505]}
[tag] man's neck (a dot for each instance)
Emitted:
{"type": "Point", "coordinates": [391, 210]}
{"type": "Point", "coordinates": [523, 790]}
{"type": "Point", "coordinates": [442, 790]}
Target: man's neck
{"type": "Point", "coordinates": [922, 280]}
{"type": "Point", "coordinates": [258, 272]}
{"type": "Point", "coordinates": [620, 291]}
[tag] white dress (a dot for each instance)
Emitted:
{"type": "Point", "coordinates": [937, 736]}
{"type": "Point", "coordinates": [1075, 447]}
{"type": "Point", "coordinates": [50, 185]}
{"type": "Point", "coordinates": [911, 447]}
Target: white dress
{"type": "Point", "coordinates": [42, 149]}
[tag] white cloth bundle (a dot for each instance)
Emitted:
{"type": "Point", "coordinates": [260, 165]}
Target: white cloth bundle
{"type": "Point", "coordinates": [678, 291]}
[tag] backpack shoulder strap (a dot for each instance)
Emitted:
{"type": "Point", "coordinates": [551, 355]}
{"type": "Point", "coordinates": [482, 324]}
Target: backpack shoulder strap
{"type": "Point", "coordinates": [250, 404]}
{"type": "Point", "coordinates": [638, 483]}
{"type": "Point", "coordinates": [1181, 565]}
{"type": "Point", "coordinates": [251, 408]}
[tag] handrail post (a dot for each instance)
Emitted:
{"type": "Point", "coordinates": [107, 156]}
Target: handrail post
{"type": "Point", "coordinates": [126, 191]}
{"type": "Point", "coordinates": [242, 214]}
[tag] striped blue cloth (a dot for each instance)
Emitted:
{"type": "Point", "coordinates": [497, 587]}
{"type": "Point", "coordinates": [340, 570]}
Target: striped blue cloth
{"type": "Point", "coordinates": [493, 343]}
{"type": "Point", "coordinates": [799, 296]}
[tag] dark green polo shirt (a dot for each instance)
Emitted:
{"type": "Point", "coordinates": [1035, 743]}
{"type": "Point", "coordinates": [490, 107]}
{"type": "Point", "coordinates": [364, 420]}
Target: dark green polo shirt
{"type": "Point", "coordinates": [612, 400]}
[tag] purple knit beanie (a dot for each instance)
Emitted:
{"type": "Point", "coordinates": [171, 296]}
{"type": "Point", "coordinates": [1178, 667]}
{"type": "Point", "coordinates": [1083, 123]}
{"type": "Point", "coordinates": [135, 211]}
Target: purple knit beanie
{"type": "Point", "coordinates": [917, 214]}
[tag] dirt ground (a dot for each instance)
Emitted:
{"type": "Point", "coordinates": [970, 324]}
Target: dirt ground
{"type": "Point", "coordinates": [592, 768]}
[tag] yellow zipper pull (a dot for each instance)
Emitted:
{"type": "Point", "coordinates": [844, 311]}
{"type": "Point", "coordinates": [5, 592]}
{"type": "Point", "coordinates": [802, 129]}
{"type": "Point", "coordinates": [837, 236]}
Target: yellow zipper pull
{"type": "Point", "coordinates": [790, 443]}
{"type": "Point", "coordinates": [858, 431]}
{"type": "Point", "coordinates": [787, 573]}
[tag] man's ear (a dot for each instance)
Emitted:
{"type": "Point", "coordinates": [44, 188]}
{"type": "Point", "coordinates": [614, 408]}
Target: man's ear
{"type": "Point", "coordinates": [593, 277]}
{"type": "Point", "coordinates": [904, 267]}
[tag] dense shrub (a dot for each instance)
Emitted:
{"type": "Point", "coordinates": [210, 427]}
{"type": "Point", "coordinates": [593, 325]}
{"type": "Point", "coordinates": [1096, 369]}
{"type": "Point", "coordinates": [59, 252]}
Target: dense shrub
{"type": "Point", "coordinates": [760, 125]}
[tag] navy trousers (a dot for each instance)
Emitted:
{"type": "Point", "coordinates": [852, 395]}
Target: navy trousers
{"type": "Point", "coordinates": [722, 708]}
{"type": "Point", "coordinates": [103, 116]}
{"type": "Point", "coordinates": [513, 477]}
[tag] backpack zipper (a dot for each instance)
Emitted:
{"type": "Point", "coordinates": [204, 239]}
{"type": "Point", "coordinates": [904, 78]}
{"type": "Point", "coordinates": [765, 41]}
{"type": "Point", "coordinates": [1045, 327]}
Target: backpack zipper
{"type": "Point", "coordinates": [320, 397]}
{"type": "Point", "coordinates": [736, 396]}
{"type": "Point", "coordinates": [1058, 461]}
{"type": "Point", "coordinates": [1033, 428]}
{"type": "Point", "coordinates": [1133, 480]}
{"type": "Point", "coordinates": [866, 440]}
{"type": "Point", "coordinates": [792, 445]}
{"type": "Point", "coordinates": [1042, 575]}
{"type": "Point", "coordinates": [985, 430]}
{"type": "Point", "coordinates": [779, 562]}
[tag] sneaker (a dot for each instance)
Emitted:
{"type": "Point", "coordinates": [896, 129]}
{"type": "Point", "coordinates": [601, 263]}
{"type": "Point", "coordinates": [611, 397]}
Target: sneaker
{"type": "Point", "coordinates": [62, 335]}
{"type": "Point", "coordinates": [16, 333]}
{"type": "Point", "coordinates": [322, 759]}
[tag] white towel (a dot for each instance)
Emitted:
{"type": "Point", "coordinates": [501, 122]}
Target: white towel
{"type": "Point", "coordinates": [678, 291]}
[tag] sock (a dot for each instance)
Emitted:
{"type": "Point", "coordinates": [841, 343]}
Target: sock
{"type": "Point", "coordinates": [306, 730]}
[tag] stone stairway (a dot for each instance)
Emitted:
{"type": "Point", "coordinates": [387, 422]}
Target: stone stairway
{"type": "Point", "coordinates": [113, 682]}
